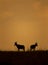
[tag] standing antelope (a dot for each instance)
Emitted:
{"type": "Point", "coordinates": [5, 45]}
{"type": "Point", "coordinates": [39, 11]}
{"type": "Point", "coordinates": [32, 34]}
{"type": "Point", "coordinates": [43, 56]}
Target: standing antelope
{"type": "Point", "coordinates": [19, 46]}
{"type": "Point", "coordinates": [32, 47]}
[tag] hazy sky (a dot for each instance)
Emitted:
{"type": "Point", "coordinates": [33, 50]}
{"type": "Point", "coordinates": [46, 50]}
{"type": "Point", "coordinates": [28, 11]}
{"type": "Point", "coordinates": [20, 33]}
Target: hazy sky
{"type": "Point", "coordinates": [25, 21]}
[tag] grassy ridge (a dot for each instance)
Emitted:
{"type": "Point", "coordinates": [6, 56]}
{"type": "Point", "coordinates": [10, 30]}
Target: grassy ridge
{"type": "Point", "coordinates": [24, 58]}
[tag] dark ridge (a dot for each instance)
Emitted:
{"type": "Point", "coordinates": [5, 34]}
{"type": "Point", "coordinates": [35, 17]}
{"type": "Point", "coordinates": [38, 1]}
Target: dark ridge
{"type": "Point", "coordinates": [24, 58]}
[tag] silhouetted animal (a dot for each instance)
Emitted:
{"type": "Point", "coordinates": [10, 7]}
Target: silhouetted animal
{"type": "Point", "coordinates": [32, 47]}
{"type": "Point", "coordinates": [19, 46]}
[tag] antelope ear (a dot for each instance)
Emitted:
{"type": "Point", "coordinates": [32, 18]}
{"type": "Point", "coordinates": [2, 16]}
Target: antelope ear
{"type": "Point", "coordinates": [15, 41]}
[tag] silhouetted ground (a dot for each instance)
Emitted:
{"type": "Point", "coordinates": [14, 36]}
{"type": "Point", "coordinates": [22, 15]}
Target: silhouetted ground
{"type": "Point", "coordinates": [24, 58]}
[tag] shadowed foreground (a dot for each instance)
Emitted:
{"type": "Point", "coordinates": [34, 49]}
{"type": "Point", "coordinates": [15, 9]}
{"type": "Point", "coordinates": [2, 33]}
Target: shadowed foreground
{"type": "Point", "coordinates": [24, 58]}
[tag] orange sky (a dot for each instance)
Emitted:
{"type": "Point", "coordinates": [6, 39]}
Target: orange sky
{"type": "Point", "coordinates": [25, 21]}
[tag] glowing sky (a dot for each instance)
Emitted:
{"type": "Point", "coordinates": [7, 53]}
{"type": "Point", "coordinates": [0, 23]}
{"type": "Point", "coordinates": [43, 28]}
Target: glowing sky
{"type": "Point", "coordinates": [25, 21]}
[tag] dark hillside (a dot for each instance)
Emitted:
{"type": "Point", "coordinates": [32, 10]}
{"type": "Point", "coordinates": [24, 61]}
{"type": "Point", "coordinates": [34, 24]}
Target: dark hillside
{"type": "Point", "coordinates": [24, 58]}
